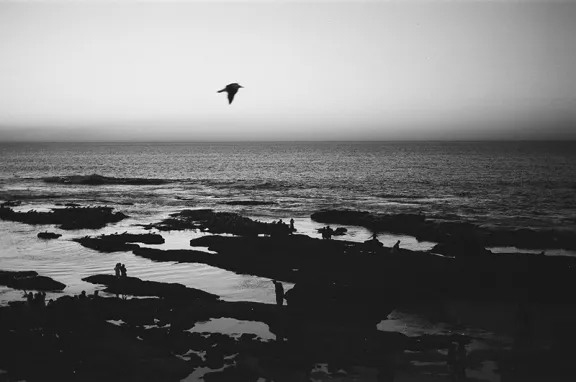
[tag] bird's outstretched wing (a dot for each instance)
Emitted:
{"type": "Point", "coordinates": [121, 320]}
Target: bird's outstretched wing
{"type": "Point", "coordinates": [231, 95]}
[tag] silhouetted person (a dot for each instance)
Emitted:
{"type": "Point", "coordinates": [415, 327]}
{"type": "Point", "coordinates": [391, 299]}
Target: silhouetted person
{"type": "Point", "coordinates": [279, 289]}
{"type": "Point", "coordinates": [396, 247]}
{"type": "Point", "coordinates": [29, 298]}
{"type": "Point", "coordinates": [461, 362]}
{"type": "Point", "coordinates": [123, 270]}
{"type": "Point", "coordinates": [524, 324]}
{"type": "Point", "coordinates": [291, 224]}
{"type": "Point", "coordinates": [117, 269]}
{"type": "Point", "coordinates": [231, 89]}
{"type": "Point", "coordinates": [451, 362]}
{"type": "Point", "coordinates": [41, 299]}
{"type": "Point", "coordinates": [82, 296]}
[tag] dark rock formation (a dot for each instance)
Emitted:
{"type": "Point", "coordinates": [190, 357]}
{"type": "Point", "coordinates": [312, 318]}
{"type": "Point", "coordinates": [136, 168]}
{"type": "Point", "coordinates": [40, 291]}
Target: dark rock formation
{"type": "Point", "coordinates": [460, 248]}
{"type": "Point", "coordinates": [250, 203]}
{"type": "Point", "coordinates": [29, 280]}
{"type": "Point", "coordinates": [219, 222]}
{"type": "Point", "coordinates": [68, 342]}
{"type": "Point", "coordinates": [423, 228]}
{"type": "Point", "coordinates": [10, 203]}
{"type": "Point", "coordinates": [96, 180]}
{"type": "Point", "coordinates": [119, 242]}
{"type": "Point", "coordinates": [137, 287]}
{"type": "Point", "coordinates": [48, 235]}
{"type": "Point", "coordinates": [66, 218]}
{"type": "Point", "coordinates": [340, 231]}
{"type": "Point", "coordinates": [71, 340]}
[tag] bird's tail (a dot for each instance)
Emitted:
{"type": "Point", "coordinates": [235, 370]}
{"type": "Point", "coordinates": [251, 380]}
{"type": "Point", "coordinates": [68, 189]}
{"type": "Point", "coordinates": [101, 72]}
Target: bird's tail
{"type": "Point", "coordinates": [220, 91]}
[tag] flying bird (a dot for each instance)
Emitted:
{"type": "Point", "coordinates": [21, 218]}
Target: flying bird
{"type": "Point", "coordinates": [231, 89]}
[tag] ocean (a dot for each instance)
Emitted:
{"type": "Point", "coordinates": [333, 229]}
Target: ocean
{"type": "Point", "coordinates": [505, 184]}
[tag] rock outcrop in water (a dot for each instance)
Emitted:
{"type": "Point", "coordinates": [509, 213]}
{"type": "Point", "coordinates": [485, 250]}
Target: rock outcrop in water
{"type": "Point", "coordinates": [219, 222]}
{"type": "Point", "coordinates": [97, 180]}
{"type": "Point", "coordinates": [119, 242]}
{"type": "Point", "coordinates": [249, 203]}
{"type": "Point", "coordinates": [66, 218]}
{"type": "Point", "coordinates": [10, 203]}
{"type": "Point", "coordinates": [137, 287]}
{"type": "Point", "coordinates": [29, 280]}
{"type": "Point", "coordinates": [48, 235]}
{"type": "Point", "coordinates": [425, 229]}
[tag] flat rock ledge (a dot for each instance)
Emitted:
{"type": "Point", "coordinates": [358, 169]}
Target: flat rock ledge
{"type": "Point", "coordinates": [219, 222]}
{"type": "Point", "coordinates": [29, 280]}
{"type": "Point", "coordinates": [429, 229]}
{"type": "Point", "coordinates": [137, 287]}
{"type": "Point", "coordinates": [119, 242]}
{"type": "Point", "coordinates": [97, 180]}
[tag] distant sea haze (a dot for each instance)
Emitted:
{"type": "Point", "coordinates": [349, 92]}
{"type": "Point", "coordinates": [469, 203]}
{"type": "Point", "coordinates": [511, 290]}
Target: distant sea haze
{"type": "Point", "coordinates": [513, 184]}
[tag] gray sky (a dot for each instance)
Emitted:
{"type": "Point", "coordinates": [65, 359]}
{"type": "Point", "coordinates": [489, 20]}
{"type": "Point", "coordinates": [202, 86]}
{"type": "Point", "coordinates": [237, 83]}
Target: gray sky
{"type": "Point", "coordinates": [116, 70]}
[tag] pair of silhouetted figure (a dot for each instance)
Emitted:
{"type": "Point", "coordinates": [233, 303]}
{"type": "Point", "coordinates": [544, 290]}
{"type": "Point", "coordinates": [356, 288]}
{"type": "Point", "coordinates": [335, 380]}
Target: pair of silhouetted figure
{"type": "Point", "coordinates": [327, 233]}
{"type": "Point", "coordinates": [120, 270]}
{"type": "Point", "coordinates": [279, 289]}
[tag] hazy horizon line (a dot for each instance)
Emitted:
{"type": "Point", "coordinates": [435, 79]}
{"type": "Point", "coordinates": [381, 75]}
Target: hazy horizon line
{"type": "Point", "coordinates": [572, 140]}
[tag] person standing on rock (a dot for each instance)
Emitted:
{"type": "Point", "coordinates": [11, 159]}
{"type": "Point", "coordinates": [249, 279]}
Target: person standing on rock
{"type": "Point", "coordinates": [279, 289]}
{"type": "Point", "coordinates": [123, 270]}
{"type": "Point", "coordinates": [117, 270]}
{"type": "Point", "coordinates": [396, 247]}
{"type": "Point", "coordinates": [291, 225]}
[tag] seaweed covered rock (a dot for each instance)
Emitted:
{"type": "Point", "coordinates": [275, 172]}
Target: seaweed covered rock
{"type": "Point", "coordinates": [29, 280]}
{"type": "Point", "coordinates": [137, 287]}
{"type": "Point", "coordinates": [66, 218]}
{"type": "Point", "coordinates": [119, 242]}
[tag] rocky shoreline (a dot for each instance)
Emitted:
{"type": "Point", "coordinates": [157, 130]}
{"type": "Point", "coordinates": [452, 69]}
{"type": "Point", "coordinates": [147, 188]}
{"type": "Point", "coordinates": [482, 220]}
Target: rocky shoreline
{"type": "Point", "coordinates": [424, 228]}
{"type": "Point", "coordinates": [96, 338]}
{"type": "Point", "coordinates": [342, 290]}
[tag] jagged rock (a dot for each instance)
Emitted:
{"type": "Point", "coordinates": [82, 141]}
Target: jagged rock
{"type": "Point", "coordinates": [137, 287]}
{"type": "Point", "coordinates": [66, 218]}
{"type": "Point", "coordinates": [29, 280]}
{"type": "Point", "coordinates": [119, 242]}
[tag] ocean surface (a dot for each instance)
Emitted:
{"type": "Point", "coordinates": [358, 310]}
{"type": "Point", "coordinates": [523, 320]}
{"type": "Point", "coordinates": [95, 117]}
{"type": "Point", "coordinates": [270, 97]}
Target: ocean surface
{"type": "Point", "coordinates": [496, 184]}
